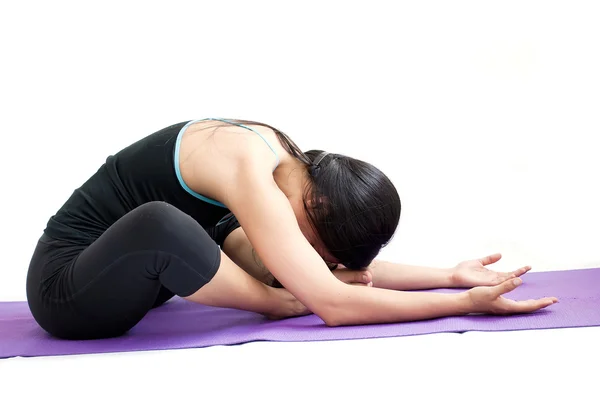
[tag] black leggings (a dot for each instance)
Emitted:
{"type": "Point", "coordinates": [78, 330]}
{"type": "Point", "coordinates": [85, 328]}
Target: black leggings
{"type": "Point", "coordinates": [104, 289]}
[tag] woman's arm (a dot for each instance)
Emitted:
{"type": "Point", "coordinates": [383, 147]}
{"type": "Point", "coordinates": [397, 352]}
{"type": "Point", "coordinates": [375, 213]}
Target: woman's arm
{"type": "Point", "coordinates": [467, 274]}
{"type": "Point", "coordinates": [248, 188]}
{"type": "Point", "coordinates": [396, 276]}
{"type": "Point", "coordinates": [237, 247]}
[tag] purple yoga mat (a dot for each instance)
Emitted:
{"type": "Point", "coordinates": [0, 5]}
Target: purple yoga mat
{"type": "Point", "coordinates": [181, 324]}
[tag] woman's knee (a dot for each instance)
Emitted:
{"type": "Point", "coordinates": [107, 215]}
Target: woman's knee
{"type": "Point", "coordinates": [161, 220]}
{"type": "Point", "coordinates": [193, 256]}
{"type": "Point", "coordinates": [157, 212]}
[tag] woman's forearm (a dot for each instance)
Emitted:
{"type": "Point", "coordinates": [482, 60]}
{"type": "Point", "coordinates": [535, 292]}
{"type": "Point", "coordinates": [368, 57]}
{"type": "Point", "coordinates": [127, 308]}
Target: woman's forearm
{"type": "Point", "coordinates": [365, 305]}
{"type": "Point", "coordinates": [395, 276]}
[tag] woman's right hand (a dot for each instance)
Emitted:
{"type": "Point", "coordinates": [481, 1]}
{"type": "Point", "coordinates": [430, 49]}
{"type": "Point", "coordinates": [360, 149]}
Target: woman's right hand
{"type": "Point", "coordinates": [489, 300]}
{"type": "Point", "coordinates": [285, 305]}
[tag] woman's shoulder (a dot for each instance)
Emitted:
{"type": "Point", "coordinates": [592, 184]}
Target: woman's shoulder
{"type": "Point", "coordinates": [236, 139]}
{"type": "Point", "coordinates": [213, 152]}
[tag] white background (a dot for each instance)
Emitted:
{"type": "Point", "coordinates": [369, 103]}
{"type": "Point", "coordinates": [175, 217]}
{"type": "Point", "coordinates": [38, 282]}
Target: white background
{"type": "Point", "coordinates": [484, 114]}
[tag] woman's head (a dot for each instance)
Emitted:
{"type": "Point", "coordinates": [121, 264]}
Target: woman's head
{"type": "Point", "coordinates": [352, 206]}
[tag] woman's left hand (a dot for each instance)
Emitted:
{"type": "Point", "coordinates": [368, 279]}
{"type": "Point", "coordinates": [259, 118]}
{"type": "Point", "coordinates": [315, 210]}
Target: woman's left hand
{"type": "Point", "coordinates": [473, 273]}
{"type": "Point", "coordinates": [354, 277]}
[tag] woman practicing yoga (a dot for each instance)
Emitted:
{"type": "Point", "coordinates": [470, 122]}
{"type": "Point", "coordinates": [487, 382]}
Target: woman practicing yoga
{"type": "Point", "coordinates": [233, 214]}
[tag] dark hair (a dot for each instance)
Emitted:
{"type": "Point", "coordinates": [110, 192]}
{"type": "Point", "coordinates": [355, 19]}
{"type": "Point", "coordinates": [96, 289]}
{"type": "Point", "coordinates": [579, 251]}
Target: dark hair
{"type": "Point", "coordinates": [353, 206]}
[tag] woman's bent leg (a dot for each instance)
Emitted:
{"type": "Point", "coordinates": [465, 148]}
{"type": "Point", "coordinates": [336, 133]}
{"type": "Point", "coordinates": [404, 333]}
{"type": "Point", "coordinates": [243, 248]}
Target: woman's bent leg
{"type": "Point", "coordinates": [107, 288]}
{"type": "Point", "coordinates": [152, 251]}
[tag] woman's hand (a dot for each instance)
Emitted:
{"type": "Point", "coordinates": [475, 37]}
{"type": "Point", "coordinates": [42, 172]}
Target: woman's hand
{"type": "Point", "coordinates": [473, 273]}
{"type": "Point", "coordinates": [285, 305]}
{"type": "Point", "coordinates": [489, 300]}
{"type": "Point", "coordinates": [354, 277]}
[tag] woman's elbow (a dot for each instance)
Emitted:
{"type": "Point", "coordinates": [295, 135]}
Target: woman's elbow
{"type": "Point", "coordinates": [332, 321]}
{"type": "Point", "coordinates": [332, 313]}
{"type": "Point", "coordinates": [329, 318]}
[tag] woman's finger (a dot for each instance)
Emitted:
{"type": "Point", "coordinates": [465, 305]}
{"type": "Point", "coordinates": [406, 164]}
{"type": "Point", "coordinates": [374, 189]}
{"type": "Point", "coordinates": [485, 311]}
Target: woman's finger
{"type": "Point", "coordinates": [488, 260]}
{"type": "Point", "coordinates": [521, 271]}
{"type": "Point", "coordinates": [506, 286]}
{"type": "Point", "coordinates": [362, 284]}
{"type": "Point", "coordinates": [353, 276]}
{"type": "Point", "coordinates": [530, 305]}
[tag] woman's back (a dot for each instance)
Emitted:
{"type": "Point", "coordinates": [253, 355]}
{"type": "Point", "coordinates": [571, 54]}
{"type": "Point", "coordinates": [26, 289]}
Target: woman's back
{"type": "Point", "coordinates": [142, 172]}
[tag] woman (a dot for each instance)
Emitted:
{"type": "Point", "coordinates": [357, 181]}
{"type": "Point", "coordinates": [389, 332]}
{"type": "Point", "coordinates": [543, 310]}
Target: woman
{"type": "Point", "coordinates": [199, 208]}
